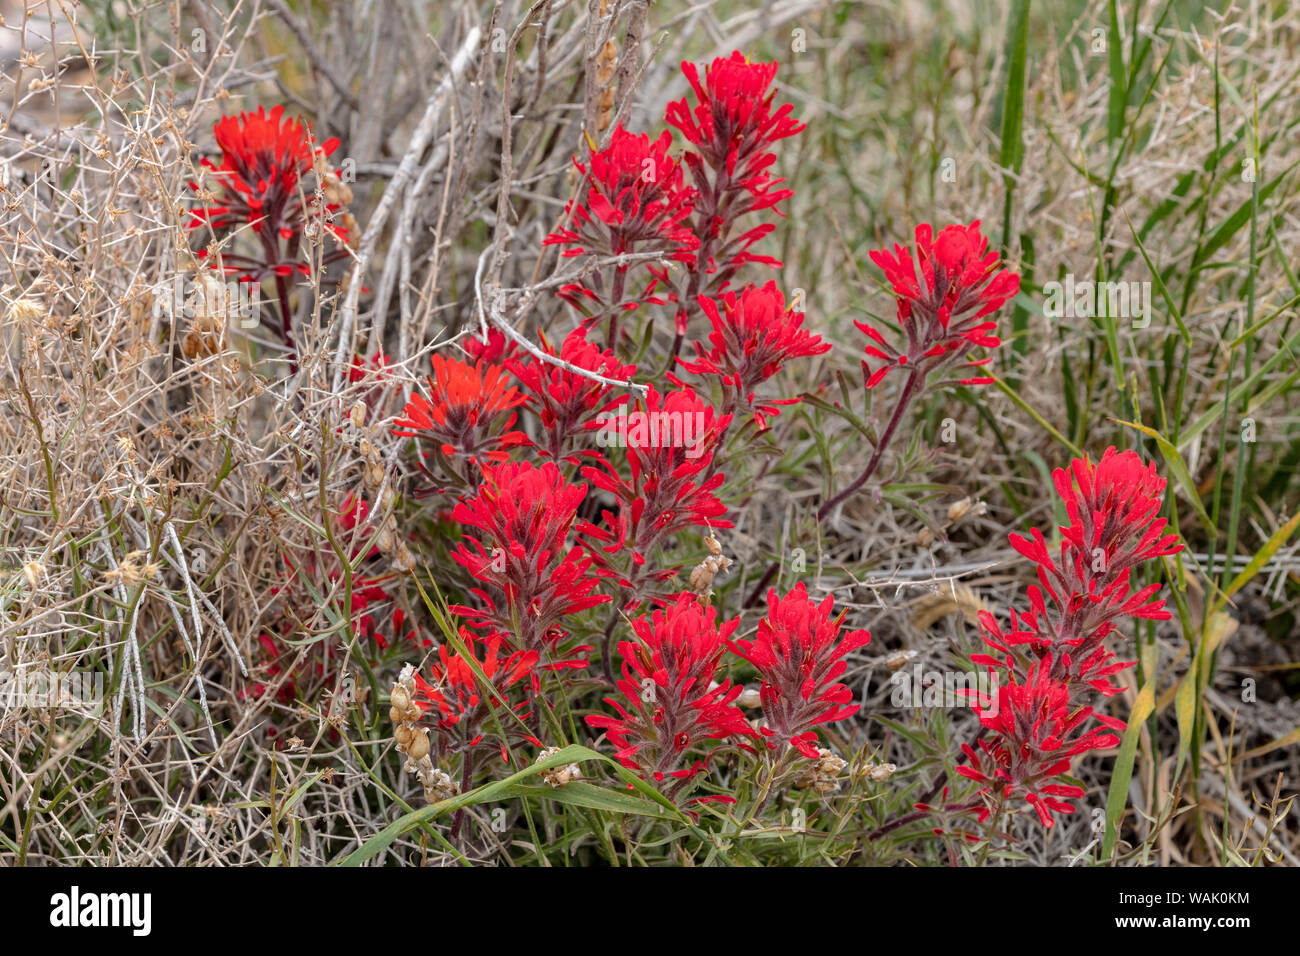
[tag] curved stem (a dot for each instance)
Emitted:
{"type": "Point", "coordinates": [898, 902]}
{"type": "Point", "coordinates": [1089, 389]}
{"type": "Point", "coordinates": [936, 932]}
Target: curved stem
{"type": "Point", "coordinates": [914, 386]}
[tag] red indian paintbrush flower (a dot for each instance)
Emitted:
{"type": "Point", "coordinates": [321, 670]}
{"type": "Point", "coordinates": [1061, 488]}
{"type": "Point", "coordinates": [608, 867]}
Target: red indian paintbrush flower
{"type": "Point", "coordinates": [1085, 591]}
{"type": "Point", "coordinates": [635, 202]}
{"type": "Point", "coordinates": [460, 704]}
{"type": "Point", "coordinates": [731, 125]}
{"type": "Point", "coordinates": [1054, 656]}
{"type": "Point", "coordinates": [567, 403]}
{"type": "Point", "coordinates": [672, 702]}
{"type": "Point", "coordinates": [671, 440]}
{"type": "Point", "coordinates": [530, 578]}
{"type": "Point", "coordinates": [469, 414]}
{"type": "Point", "coordinates": [264, 158]}
{"type": "Point", "coordinates": [1036, 733]}
{"type": "Point", "coordinates": [945, 292]}
{"type": "Point", "coordinates": [754, 334]}
{"type": "Point", "coordinates": [493, 349]}
{"type": "Point", "coordinates": [800, 656]}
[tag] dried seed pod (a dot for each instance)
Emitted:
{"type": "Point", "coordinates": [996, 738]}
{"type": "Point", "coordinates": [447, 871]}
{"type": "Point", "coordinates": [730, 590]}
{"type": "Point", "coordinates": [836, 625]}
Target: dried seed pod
{"type": "Point", "coordinates": [419, 745]}
{"type": "Point", "coordinates": [881, 772]}
{"type": "Point", "coordinates": [898, 659]}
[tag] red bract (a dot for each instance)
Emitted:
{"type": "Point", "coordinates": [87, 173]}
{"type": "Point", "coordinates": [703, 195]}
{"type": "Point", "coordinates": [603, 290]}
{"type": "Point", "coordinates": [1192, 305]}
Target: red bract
{"type": "Point", "coordinates": [495, 349]}
{"type": "Point", "coordinates": [731, 126]}
{"type": "Point", "coordinates": [1036, 732]}
{"type": "Point", "coordinates": [800, 655]}
{"type": "Point", "coordinates": [469, 415]}
{"type": "Point", "coordinates": [670, 442]}
{"type": "Point", "coordinates": [671, 700]}
{"type": "Point", "coordinates": [456, 698]}
{"type": "Point", "coordinates": [1113, 509]}
{"type": "Point", "coordinates": [1054, 656]}
{"type": "Point", "coordinates": [264, 157]}
{"type": "Point", "coordinates": [945, 292]}
{"type": "Point", "coordinates": [531, 579]}
{"type": "Point", "coordinates": [565, 401]}
{"type": "Point", "coordinates": [635, 202]}
{"type": "Point", "coordinates": [753, 335]}
{"type": "Point", "coordinates": [1085, 591]}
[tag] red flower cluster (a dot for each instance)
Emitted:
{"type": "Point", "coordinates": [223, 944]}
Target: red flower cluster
{"type": "Point", "coordinates": [530, 579]}
{"type": "Point", "coordinates": [1054, 656]}
{"type": "Point", "coordinates": [799, 654]}
{"type": "Point", "coordinates": [731, 125]}
{"type": "Point", "coordinates": [469, 415]}
{"type": "Point", "coordinates": [635, 199]}
{"type": "Point", "coordinates": [567, 403]}
{"type": "Point", "coordinates": [675, 697]}
{"type": "Point", "coordinates": [1036, 734]}
{"type": "Point", "coordinates": [263, 159]}
{"type": "Point", "coordinates": [753, 336]}
{"type": "Point", "coordinates": [945, 295]}
{"type": "Point", "coordinates": [672, 703]}
{"type": "Point", "coordinates": [671, 440]}
{"type": "Point", "coordinates": [635, 202]}
{"type": "Point", "coordinates": [459, 706]}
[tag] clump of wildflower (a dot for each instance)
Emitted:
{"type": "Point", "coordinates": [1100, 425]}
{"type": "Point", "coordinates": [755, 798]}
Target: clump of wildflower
{"type": "Point", "coordinates": [754, 335]}
{"type": "Point", "coordinates": [800, 654]}
{"type": "Point", "coordinates": [672, 704]}
{"type": "Point", "coordinates": [1054, 657]}
{"type": "Point", "coordinates": [468, 417]}
{"type": "Point", "coordinates": [946, 290]}
{"type": "Point", "coordinates": [567, 403]}
{"type": "Point", "coordinates": [1085, 590]}
{"type": "Point", "coordinates": [731, 125]}
{"type": "Point", "coordinates": [529, 578]}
